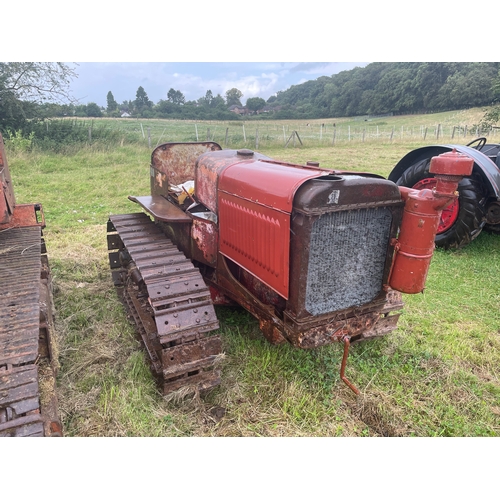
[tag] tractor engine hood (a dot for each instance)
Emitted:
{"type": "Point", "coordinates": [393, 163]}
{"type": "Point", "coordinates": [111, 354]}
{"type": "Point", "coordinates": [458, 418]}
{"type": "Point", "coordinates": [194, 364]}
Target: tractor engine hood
{"type": "Point", "coordinates": [254, 203]}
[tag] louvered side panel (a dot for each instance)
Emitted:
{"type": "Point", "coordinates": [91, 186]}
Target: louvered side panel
{"type": "Point", "coordinates": [257, 238]}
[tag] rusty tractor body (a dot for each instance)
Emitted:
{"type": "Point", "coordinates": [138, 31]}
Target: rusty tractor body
{"type": "Point", "coordinates": [478, 204]}
{"type": "Point", "coordinates": [316, 255]}
{"type": "Point", "coordinates": [28, 364]}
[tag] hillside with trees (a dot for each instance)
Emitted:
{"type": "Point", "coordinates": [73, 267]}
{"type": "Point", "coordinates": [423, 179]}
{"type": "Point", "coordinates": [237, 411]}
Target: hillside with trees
{"type": "Point", "coordinates": [397, 88]}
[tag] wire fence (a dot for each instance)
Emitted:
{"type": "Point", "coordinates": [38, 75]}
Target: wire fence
{"type": "Point", "coordinates": [258, 135]}
{"type": "Point", "coordinates": [296, 135]}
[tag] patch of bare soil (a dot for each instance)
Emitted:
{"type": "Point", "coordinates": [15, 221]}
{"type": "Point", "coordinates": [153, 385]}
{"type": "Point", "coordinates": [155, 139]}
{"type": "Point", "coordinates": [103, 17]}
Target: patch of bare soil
{"type": "Point", "coordinates": [379, 421]}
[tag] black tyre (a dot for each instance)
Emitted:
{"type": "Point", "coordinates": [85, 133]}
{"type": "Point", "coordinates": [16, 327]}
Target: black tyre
{"type": "Point", "coordinates": [462, 221]}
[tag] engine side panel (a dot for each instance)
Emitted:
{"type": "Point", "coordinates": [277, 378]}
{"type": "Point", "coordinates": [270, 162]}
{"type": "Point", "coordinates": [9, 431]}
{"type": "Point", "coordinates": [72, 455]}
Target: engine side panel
{"type": "Point", "coordinates": [257, 238]}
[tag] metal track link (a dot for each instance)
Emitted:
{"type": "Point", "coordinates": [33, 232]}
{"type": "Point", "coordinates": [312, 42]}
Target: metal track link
{"type": "Point", "coordinates": [169, 302]}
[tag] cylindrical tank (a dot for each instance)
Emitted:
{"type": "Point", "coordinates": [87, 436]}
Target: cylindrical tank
{"type": "Point", "coordinates": [422, 212]}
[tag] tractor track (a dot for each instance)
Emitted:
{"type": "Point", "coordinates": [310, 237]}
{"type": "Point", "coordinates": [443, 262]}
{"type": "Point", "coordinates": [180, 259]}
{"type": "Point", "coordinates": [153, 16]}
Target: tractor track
{"type": "Point", "coordinates": [168, 301]}
{"type": "Point", "coordinates": [28, 364]}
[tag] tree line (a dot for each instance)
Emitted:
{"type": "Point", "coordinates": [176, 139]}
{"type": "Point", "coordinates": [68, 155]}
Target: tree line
{"type": "Point", "coordinates": [209, 106]}
{"type": "Point", "coordinates": [41, 90]}
{"type": "Point", "coordinates": [31, 91]}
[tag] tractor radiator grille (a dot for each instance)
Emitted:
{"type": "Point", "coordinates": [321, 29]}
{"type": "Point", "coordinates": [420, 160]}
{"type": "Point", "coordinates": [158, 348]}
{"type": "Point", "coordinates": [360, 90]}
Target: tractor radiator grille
{"type": "Point", "coordinates": [346, 259]}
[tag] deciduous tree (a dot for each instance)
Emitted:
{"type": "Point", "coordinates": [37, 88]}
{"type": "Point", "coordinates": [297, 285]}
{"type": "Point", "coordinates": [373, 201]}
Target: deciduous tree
{"type": "Point", "coordinates": [93, 110]}
{"type": "Point", "coordinates": [23, 83]}
{"type": "Point", "coordinates": [176, 96]}
{"type": "Point", "coordinates": [255, 103]}
{"type": "Point", "coordinates": [233, 97]}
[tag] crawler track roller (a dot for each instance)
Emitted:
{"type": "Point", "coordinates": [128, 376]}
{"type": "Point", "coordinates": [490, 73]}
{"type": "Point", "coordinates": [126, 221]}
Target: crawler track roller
{"type": "Point", "coordinates": [169, 302]}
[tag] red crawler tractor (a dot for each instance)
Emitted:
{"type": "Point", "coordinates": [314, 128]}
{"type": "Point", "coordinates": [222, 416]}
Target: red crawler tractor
{"type": "Point", "coordinates": [28, 405]}
{"type": "Point", "coordinates": [315, 255]}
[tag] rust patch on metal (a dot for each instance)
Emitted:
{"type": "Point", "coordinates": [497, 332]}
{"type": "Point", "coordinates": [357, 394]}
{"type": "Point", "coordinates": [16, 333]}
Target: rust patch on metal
{"type": "Point", "coordinates": [176, 161]}
{"type": "Point", "coordinates": [271, 331]}
{"type": "Point", "coordinates": [206, 237]}
{"type": "Point", "coordinates": [26, 215]}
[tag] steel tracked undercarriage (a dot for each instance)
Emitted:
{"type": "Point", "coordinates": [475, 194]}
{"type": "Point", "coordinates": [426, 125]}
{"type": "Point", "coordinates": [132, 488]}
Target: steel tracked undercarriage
{"type": "Point", "coordinates": [168, 301]}
{"type": "Point", "coordinates": [28, 363]}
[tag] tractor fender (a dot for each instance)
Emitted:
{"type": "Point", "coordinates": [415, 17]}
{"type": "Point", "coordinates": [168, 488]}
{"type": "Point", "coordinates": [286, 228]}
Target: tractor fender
{"type": "Point", "coordinates": [490, 173]}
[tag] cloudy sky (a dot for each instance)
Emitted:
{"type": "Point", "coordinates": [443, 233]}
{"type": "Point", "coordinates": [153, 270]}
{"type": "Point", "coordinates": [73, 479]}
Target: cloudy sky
{"type": "Point", "coordinates": [193, 79]}
{"type": "Point", "coordinates": [235, 36]}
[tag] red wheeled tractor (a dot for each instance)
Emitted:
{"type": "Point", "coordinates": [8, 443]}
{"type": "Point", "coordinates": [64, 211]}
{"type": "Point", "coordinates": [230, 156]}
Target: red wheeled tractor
{"type": "Point", "coordinates": [316, 255]}
{"type": "Point", "coordinates": [478, 203]}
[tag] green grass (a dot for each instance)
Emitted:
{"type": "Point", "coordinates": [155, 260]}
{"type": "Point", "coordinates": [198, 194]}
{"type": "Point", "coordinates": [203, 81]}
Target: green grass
{"type": "Point", "coordinates": [436, 375]}
{"type": "Point", "coordinates": [108, 133]}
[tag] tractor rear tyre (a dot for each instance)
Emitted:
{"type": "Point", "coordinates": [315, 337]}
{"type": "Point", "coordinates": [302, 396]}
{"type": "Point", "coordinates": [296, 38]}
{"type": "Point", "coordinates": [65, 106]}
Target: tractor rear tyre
{"type": "Point", "coordinates": [463, 220]}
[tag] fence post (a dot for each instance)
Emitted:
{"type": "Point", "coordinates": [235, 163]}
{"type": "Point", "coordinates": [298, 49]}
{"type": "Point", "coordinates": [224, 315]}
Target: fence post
{"type": "Point", "coordinates": [257, 139]}
{"type": "Point", "coordinates": [425, 133]}
{"type": "Point", "coordinates": [149, 138]}
{"type": "Point", "coordinates": [225, 140]}
{"type": "Point", "coordinates": [453, 133]}
{"type": "Point", "coordinates": [294, 133]}
{"type": "Point", "coordinates": [392, 133]}
{"type": "Point", "coordinates": [334, 135]}
{"type": "Point", "coordinates": [196, 130]}
{"type": "Point", "coordinates": [244, 135]}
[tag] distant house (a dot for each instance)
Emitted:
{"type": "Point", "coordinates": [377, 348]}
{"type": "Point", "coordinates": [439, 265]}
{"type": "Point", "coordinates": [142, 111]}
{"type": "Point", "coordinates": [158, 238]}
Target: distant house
{"type": "Point", "coordinates": [239, 110]}
{"type": "Point", "coordinates": [125, 115]}
{"type": "Point", "coordinates": [265, 109]}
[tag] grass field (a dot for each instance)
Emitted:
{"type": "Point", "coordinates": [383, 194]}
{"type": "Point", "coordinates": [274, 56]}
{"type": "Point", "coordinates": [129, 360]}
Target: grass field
{"type": "Point", "coordinates": [436, 375]}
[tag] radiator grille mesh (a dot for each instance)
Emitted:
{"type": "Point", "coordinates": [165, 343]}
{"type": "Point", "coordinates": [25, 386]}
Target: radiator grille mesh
{"type": "Point", "coordinates": [346, 259]}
